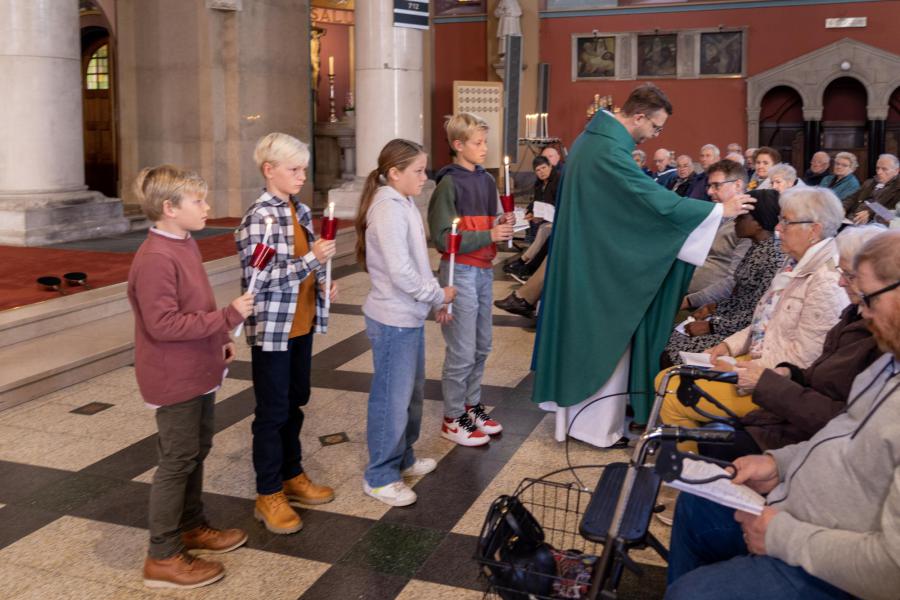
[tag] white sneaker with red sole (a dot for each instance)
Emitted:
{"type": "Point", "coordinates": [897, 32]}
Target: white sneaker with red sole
{"type": "Point", "coordinates": [483, 420]}
{"type": "Point", "coordinates": [463, 431]}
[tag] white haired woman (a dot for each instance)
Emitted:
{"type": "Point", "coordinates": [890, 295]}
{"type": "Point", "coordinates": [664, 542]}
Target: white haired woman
{"type": "Point", "coordinates": [792, 318]}
{"type": "Point", "coordinates": [843, 182]}
{"type": "Point", "coordinates": [784, 177]}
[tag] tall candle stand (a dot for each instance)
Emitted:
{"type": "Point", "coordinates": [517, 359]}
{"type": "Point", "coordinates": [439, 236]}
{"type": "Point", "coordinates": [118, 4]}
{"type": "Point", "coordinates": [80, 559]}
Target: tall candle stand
{"type": "Point", "coordinates": [332, 116]}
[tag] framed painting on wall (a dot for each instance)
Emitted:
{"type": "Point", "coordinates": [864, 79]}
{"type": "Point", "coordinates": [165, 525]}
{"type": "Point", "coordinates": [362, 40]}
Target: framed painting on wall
{"type": "Point", "coordinates": [656, 55]}
{"type": "Point", "coordinates": [448, 8]}
{"type": "Point", "coordinates": [721, 54]}
{"type": "Point", "coordinates": [593, 57]}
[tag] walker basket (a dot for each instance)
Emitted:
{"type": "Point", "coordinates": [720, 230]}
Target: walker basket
{"type": "Point", "coordinates": [530, 546]}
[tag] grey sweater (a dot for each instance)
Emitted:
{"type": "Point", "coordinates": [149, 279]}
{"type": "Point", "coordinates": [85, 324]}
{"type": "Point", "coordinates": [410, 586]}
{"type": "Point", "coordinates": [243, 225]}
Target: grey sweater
{"type": "Point", "coordinates": [404, 289]}
{"type": "Point", "coordinates": [714, 281]}
{"type": "Point", "coordinates": [839, 496]}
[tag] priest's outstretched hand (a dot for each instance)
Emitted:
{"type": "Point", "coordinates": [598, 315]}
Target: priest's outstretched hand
{"type": "Point", "coordinates": [740, 204]}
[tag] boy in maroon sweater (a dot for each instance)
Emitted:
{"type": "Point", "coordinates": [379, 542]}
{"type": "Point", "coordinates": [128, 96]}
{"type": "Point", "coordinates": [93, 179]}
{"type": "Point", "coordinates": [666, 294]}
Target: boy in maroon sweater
{"type": "Point", "coordinates": [181, 347]}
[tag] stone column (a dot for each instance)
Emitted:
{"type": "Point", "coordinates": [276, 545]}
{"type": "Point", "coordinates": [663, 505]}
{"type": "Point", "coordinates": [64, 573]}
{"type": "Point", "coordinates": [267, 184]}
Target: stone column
{"type": "Point", "coordinates": [389, 92]}
{"type": "Point", "coordinates": [43, 198]}
{"type": "Point", "coordinates": [876, 130]}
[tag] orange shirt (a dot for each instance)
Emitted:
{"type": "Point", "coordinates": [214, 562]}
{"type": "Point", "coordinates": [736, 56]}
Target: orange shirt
{"type": "Point", "coordinates": [306, 296]}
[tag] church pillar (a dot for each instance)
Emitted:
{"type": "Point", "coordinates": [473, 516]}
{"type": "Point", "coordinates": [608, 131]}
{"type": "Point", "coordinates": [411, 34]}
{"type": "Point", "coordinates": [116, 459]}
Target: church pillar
{"type": "Point", "coordinates": [812, 131]}
{"type": "Point", "coordinates": [876, 130]}
{"type": "Point", "coordinates": [43, 198]}
{"type": "Point", "coordinates": [389, 92]}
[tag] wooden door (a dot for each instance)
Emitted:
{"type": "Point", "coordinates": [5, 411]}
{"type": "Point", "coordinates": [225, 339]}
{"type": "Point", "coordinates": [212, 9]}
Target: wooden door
{"type": "Point", "coordinates": [100, 168]}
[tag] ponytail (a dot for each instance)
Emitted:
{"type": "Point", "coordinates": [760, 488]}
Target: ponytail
{"type": "Point", "coordinates": [365, 201]}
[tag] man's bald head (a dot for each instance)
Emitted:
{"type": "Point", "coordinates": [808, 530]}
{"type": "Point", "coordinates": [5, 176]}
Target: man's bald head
{"type": "Point", "coordinates": [661, 160]}
{"type": "Point", "coordinates": [819, 162]}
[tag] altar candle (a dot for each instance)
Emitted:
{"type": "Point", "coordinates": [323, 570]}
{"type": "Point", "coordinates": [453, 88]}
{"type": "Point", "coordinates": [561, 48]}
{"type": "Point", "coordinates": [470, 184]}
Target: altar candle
{"type": "Point", "coordinates": [331, 65]}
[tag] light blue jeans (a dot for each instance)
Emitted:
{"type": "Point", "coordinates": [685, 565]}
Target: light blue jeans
{"type": "Point", "coordinates": [468, 336]}
{"type": "Point", "coordinates": [395, 400]}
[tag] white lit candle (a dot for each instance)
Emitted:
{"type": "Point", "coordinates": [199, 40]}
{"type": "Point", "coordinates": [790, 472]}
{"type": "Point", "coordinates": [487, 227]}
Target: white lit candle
{"type": "Point", "coordinates": [331, 65]}
{"type": "Point", "coordinates": [331, 210]}
{"type": "Point", "coordinates": [506, 174]}
{"type": "Point", "coordinates": [269, 220]}
{"type": "Point", "coordinates": [328, 264]}
{"type": "Point", "coordinates": [452, 263]}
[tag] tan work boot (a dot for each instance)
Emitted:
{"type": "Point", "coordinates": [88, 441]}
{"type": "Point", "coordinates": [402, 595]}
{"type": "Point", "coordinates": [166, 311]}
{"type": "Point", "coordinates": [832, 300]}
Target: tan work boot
{"type": "Point", "coordinates": [181, 571]}
{"type": "Point", "coordinates": [206, 540]}
{"type": "Point", "coordinates": [301, 489]}
{"type": "Point", "coordinates": [276, 514]}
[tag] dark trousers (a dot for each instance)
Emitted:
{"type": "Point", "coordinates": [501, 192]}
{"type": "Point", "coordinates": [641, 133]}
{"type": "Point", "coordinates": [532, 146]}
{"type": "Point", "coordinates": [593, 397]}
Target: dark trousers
{"type": "Point", "coordinates": [281, 384]}
{"type": "Point", "coordinates": [185, 438]}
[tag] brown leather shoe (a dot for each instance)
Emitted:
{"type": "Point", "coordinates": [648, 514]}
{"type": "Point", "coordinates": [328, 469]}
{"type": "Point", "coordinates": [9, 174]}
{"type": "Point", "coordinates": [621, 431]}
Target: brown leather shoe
{"type": "Point", "coordinates": [181, 571]}
{"type": "Point", "coordinates": [301, 489]}
{"type": "Point", "coordinates": [276, 514]}
{"type": "Point", "coordinates": [206, 540]}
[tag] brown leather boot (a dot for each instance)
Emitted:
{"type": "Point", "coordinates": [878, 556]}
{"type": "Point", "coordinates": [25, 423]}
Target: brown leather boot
{"type": "Point", "coordinates": [301, 489]}
{"type": "Point", "coordinates": [181, 571]}
{"type": "Point", "coordinates": [206, 540]}
{"type": "Point", "coordinates": [276, 514]}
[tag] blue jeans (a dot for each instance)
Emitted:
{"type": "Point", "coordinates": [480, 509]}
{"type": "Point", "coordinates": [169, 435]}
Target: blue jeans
{"type": "Point", "coordinates": [395, 400]}
{"type": "Point", "coordinates": [708, 560]}
{"type": "Point", "coordinates": [468, 336]}
{"type": "Point", "coordinates": [281, 383]}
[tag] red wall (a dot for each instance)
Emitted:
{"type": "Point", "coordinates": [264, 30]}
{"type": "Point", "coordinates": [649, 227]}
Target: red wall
{"type": "Point", "coordinates": [460, 51]}
{"type": "Point", "coordinates": [335, 43]}
{"type": "Point", "coordinates": [705, 110]}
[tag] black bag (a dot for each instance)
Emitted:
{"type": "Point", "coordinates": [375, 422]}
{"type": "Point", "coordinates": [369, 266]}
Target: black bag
{"type": "Point", "coordinates": [513, 538]}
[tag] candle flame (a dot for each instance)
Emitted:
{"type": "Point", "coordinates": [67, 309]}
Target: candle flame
{"type": "Point", "coordinates": [505, 160]}
{"type": "Point", "coordinates": [456, 221]}
{"type": "Point", "coordinates": [269, 220]}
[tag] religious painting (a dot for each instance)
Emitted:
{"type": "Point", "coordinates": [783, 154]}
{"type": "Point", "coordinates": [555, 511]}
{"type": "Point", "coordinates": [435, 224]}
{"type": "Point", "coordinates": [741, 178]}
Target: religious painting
{"type": "Point", "coordinates": [722, 53]}
{"type": "Point", "coordinates": [447, 8]}
{"type": "Point", "coordinates": [593, 57]}
{"type": "Point", "coordinates": [656, 55]}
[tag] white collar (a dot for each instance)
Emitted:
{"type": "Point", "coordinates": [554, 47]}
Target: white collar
{"type": "Point", "coordinates": [166, 234]}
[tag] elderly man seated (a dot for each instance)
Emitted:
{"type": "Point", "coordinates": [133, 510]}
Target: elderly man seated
{"type": "Point", "coordinates": [883, 189]}
{"type": "Point", "coordinates": [819, 168]}
{"type": "Point", "coordinates": [792, 318]}
{"type": "Point", "coordinates": [663, 171]}
{"type": "Point", "coordinates": [684, 175]}
{"type": "Point", "coordinates": [709, 155]}
{"type": "Point", "coordinates": [831, 524]}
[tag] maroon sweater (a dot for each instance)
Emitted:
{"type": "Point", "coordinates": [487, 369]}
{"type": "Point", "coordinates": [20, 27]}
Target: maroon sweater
{"type": "Point", "coordinates": [178, 332]}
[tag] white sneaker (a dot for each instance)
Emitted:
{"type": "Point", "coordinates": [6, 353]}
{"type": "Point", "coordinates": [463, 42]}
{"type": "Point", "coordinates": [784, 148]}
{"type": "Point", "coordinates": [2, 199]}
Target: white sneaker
{"type": "Point", "coordinates": [422, 466]}
{"type": "Point", "coordinates": [463, 431]}
{"type": "Point", "coordinates": [483, 420]}
{"type": "Point", "coordinates": [392, 494]}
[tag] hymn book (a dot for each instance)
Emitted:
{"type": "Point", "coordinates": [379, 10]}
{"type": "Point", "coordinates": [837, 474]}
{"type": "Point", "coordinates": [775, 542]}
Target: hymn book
{"type": "Point", "coordinates": [720, 491]}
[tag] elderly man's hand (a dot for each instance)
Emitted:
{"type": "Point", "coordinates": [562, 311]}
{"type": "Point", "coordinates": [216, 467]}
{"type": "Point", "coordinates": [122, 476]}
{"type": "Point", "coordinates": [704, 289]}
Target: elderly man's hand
{"type": "Point", "coordinates": [759, 472]}
{"type": "Point", "coordinates": [754, 528]}
{"type": "Point", "coordinates": [861, 218]}
{"type": "Point", "coordinates": [695, 328]}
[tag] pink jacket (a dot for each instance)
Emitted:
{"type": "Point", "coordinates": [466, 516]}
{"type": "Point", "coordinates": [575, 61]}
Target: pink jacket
{"type": "Point", "coordinates": [808, 308]}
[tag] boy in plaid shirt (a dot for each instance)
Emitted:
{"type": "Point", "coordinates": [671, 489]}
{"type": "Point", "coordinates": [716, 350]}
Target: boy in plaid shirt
{"type": "Point", "coordinates": [289, 307]}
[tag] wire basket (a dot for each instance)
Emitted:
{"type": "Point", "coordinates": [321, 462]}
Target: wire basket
{"type": "Point", "coordinates": [558, 508]}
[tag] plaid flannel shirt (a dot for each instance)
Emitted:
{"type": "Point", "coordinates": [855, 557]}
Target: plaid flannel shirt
{"type": "Point", "coordinates": [277, 285]}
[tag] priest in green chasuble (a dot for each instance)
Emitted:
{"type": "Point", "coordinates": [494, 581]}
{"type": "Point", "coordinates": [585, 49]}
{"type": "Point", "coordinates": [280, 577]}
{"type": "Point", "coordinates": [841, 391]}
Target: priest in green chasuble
{"type": "Point", "coordinates": [624, 250]}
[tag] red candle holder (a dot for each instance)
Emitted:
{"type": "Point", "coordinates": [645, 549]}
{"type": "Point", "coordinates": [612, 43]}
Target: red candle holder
{"type": "Point", "coordinates": [453, 242]}
{"type": "Point", "coordinates": [329, 228]}
{"type": "Point", "coordinates": [508, 203]}
{"type": "Point", "coordinates": [262, 254]}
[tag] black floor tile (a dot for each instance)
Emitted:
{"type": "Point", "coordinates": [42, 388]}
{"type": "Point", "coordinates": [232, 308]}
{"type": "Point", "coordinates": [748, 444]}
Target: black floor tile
{"type": "Point", "coordinates": [393, 549]}
{"type": "Point", "coordinates": [438, 507]}
{"type": "Point", "coordinates": [18, 521]}
{"type": "Point", "coordinates": [451, 563]}
{"type": "Point", "coordinates": [74, 492]}
{"type": "Point", "coordinates": [349, 582]}
{"type": "Point", "coordinates": [19, 481]}
{"type": "Point", "coordinates": [128, 462]}
{"type": "Point", "coordinates": [234, 409]}
{"type": "Point", "coordinates": [126, 504]}
{"type": "Point", "coordinates": [342, 352]}
{"type": "Point", "coordinates": [240, 370]}
{"type": "Point", "coordinates": [346, 309]}
{"type": "Point", "coordinates": [351, 381]}
{"type": "Point", "coordinates": [325, 537]}
{"type": "Point", "coordinates": [517, 421]}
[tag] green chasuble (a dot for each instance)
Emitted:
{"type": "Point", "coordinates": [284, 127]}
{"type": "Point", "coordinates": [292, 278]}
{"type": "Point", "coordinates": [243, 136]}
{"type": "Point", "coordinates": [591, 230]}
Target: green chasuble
{"type": "Point", "coordinates": [613, 276]}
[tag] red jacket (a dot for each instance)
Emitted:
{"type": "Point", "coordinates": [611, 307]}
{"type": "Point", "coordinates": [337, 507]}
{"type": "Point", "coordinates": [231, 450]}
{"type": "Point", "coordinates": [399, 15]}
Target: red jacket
{"type": "Point", "coordinates": [178, 332]}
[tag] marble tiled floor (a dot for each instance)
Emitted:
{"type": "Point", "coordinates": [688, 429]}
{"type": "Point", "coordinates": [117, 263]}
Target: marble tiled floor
{"type": "Point", "coordinates": [74, 488]}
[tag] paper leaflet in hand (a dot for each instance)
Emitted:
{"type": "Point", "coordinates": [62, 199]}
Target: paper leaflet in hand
{"type": "Point", "coordinates": [701, 359]}
{"type": "Point", "coordinates": [521, 223]}
{"type": "Point", "coordinates": [880, 211]}
{"type": "Point", "coordinates": [545, 211]}
{"type": "Point", "coordinates": [720, 491]}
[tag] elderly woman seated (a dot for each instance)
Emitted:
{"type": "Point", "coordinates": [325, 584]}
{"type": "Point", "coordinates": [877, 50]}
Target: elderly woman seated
{"type": "Point", "coordinates": [843, 182]}
{"type": "Point", "coordinates": [794, 403]}
{"type": "Point", "coordinates": [783, 177]}
{"type": "Point", "coordinates": [716, 321]}
{"type": "Point", "coordinates": [792, 318]}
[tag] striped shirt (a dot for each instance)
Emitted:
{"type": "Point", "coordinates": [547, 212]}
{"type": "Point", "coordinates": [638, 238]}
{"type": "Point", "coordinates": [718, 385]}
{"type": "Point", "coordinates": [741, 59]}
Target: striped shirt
{"type": "Point", "coordinates": [276, 287]}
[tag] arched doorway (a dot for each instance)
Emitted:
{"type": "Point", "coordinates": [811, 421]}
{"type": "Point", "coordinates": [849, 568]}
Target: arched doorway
{"type": "Point", "coordinates": [781, 124]}
{"type": "Point", "coordinates": [98, 101]}
{"type": "Point", "coordinates": [892, 125]}
{"type": "Point", "coordinates": [844, 120]}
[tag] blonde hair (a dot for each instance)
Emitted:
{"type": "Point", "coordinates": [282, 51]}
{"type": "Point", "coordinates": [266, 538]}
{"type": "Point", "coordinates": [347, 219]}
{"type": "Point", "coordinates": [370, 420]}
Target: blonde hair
{"type": "Point", "coordinates": [276, 148]}
{"type": "Point", "coordinates": [461, 127]}
{"type": "Point", "coordinates": [155, 185]}
{"type": "Point", "coordinates": [396, 154]}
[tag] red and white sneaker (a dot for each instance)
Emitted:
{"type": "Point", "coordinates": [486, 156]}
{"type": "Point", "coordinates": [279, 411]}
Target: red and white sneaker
{"type": "Point", "coordinates": [483, 420]}
{"type": "Point", "coordinates": [463, 431]}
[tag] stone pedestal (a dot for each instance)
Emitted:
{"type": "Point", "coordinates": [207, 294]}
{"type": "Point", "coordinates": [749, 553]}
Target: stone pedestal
{"type": "Point", "coordinates": [42, 193]}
